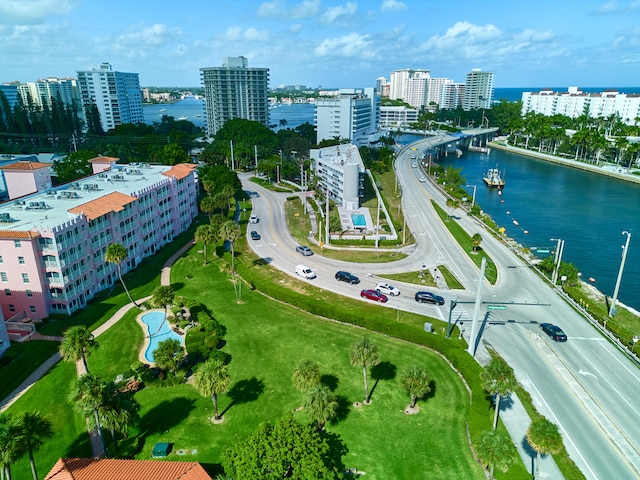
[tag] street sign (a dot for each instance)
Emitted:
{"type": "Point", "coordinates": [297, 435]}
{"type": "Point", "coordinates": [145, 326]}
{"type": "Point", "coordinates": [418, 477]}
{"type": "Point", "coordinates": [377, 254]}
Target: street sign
{"type": "Point", "coordinates": [543, 250]}
{"type": "Point", "coordinates": [496, 307]}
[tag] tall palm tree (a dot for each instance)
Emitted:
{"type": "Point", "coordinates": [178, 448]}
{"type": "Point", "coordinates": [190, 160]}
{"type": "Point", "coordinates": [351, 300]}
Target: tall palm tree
{"type": "Point", "coordinates": [163, 296]}
{"type": "Point", "coordinates": [416, 382]}
{"type": "Point", "coordinates": [544, 437]}
{"type": "Point", "coordinates": [34, 430]}
{"type": "Point", "coordinates": [119, 411]}
{"type": "Point", "coordinates": [498, 379]}
{"type": "Point", "coordinates": [117, 254]}
{"type": "Point", "coordinates": [208, 206]}
{"type": "Point", "coordinates": [365, 354]}
{"type": "Point", "coordinates": [206, 234]}
{"type": "Point", "coordinates": [210, 379]}
{"type": "Point", "coordinates": [230, 232]}
{"type": "Point", "coordinates": [476, 240]}
{"type": "Point", "coordinates": [495, 449]}
{"type": "Point", "coordinates": [306, 375]}
{"type": "Point", "coordinates": [321, 404]}
{"type": "Point", "coordinates": [77, 344]}
{"type": "Point", "coordinates": [9, 444]}
{"type": "Point", "coordinates": [169, 355]}
{"type": "Point", "coordinates": [88, 395]}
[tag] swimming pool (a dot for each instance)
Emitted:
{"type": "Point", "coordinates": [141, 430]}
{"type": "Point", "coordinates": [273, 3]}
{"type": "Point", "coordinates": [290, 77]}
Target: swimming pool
{"type": "Point", "coordinates": [358, 220]}
{"type": "Point", "coordinates": [156, 333]}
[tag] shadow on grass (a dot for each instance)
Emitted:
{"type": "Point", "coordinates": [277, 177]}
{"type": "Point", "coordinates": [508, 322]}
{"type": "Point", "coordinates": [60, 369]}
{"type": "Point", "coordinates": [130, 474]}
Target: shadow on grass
{"type": "Point", "coordinates": [80, 448]}
{"type": "Point", "coordinates": [165, 416]}
{"type": "Point", "coordinates": [343, 409]}
{"type": "Point", "coordinates": [382, 371]}
{"type": "Point", "coordinates": [244, 391]}
{"type": "Point", "coordinates": [330, 381]}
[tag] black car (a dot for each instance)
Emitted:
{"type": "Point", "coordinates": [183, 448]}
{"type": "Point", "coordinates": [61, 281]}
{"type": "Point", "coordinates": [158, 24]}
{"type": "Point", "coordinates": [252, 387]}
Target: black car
{"type": "Point", "coordinates": [428, 297]}
{"type": "Point", "coordinates": [347, 277]}
{"type": "Point", "coordinates": [255, 235]}
{"type": "Point", "coordinates": [554, 332]}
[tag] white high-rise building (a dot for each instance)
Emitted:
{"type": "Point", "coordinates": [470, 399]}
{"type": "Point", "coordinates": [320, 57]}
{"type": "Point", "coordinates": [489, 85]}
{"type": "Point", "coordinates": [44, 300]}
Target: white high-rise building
{"type": "Point", "coordinates": [235, 91]}
{"type": "Point", "coordinates": [435, 86]}
{"type": "Point", "coordinates": [416, 89]}
{"type": "Point", "coordinates": [451, 96]}
{"type": "Point", "coordinates": [478, 90]}
{"type": "Point", "coordinates": [117, 95]}
{"type": "Point", "coordinates": [43, 91]}
{"type": "Point", "coordinates": [354, 115]}
{"type": "Point", "coordinates": [574, 103]}
{"type": "Point", "coordinates": [382, 86]}
{"type": "Point", "coordinates": [340, 171]}
{"type": "Point", "coordinates": [398, 83]}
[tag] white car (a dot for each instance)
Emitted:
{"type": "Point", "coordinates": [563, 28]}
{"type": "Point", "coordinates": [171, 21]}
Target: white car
{"type": "Point", "coordinates": [305, 271]}
{"type": "Point", "coordinates": [422, 179]}
{"type": "Point", "coordinates": [253, 219]}
{"type": "Point", "coordinates": [387, 289]}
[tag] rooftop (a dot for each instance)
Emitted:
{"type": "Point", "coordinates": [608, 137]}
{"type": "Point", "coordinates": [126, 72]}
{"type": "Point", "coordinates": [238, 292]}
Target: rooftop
{"type": "Point", "coordinates": [110, 469]}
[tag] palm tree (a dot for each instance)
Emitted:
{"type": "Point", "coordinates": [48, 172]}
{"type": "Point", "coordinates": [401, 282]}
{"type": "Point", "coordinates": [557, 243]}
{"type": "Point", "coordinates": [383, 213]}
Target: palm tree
{"type": "Point", "coordinates": [34, 430]}
{"type": "Point", "coordinates": [229, 192]}
{"type": "Point", "coordinates": [208, 206]}
{"type": "Point", "coordinates": [77, 344]}
{"type": "Point", "coordinates": [321, 404]}
{"type": "Point", "coordinates": [119, 411]}
{"type": "Point", "coordinates": [162, 297]}
{"type": "Point", "coordinates": [495, 450]}
{"type": "Point", "coordinates": [169, 355]}
{"type": "Point", "coordinates": [476, 240]}
{"type": "Point", "coordinates": [230, 232]}
{"type": "Point", "coordinates": [88, 395]}
{"type": "Point", "coordinates": [416, 382]}
{"type": "Point", "coordinates": [362, 354]}
{"type": "Point", "coordinates": [499, 380]}
{"type": "Point", "coordinates": [206, 234]}
{"type": "Point", "coordinates": [117, 254]}
{"type": "Point", "coordinates": [306, 375]}
{"type": "Point", "coordinates": [544, 438]}
{"type": "Point", "coordinates": [210, 379]}
{"type": "Point", "coordinates": [9, 444]}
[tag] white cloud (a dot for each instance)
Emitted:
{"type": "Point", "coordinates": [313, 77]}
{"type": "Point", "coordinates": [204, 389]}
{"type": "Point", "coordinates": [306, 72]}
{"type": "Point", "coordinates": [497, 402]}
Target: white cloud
{"type": "Point", "coordinates": [141, 36]}
{"type": "Point", "coordinates": [306, 9]}
{"type": "Point", "coordinates": [270, 9]}
{"type": "Point", "coordinates": [352, 45]}
{"type": "Point", "coordinates": [388, 5]}
{"type": "Point", "coordinates": [339, 13]}
{"type": "Point", "coordinates": [613, 7]}
{"type": "Point", "coordinates": [237, 34]}
{"type": "Point", "coordinates": [279, 9]}
{"type": "Point", "coordinates": [30, 12]}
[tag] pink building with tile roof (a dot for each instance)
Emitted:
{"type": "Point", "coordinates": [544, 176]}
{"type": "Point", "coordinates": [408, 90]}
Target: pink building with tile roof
{"type": "Point", "coordinates": [25, 177]}
{"type": "Point", "coordinates": [52, 243]}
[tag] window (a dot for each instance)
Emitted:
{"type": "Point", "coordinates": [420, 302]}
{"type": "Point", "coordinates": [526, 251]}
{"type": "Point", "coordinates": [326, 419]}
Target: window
{"type": "Point", "coordinates": [17, 244]}
{"type": "Point", "coordinates": [25, 277]}
{"type": "Point", "coordinates": [21, 260]}
{"type": "Point", "coordinates": [3, 277]}
{"type": "Point", "coordinates": [7, 292]}
{"type": "Point", "coordinates": [32, 308]}
{"type": "Point", "coordinates": [12, 307]}
{"type": "Point", "coordinates": [1, 260]}
{"type": "Point", "coordinates": [29, 293]}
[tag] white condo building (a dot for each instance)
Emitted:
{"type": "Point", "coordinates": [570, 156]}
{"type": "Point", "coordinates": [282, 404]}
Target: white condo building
{"type": "Point", "coordinates": [352, 115]}
{"type": "Point", "coordinates": [340, 170]}
{"type": "Point", "coordinates": [574, 103]}
{"type": "Point", "coordinates": [451, 96]}
{"type": "Point", "coordinates": [397, 116]}
{"type": "Point", "coordinates": [235, 91]}
{"type": "Point", "coordinates": [117, 95]}
{"type": "Point", "coordinates": [478, 90]}
{"type": "Point", "coordinates": [41, 92]}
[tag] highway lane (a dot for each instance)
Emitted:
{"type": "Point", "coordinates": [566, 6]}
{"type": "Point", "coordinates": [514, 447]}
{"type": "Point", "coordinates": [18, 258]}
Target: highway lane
{"type": "Point", "coordinates": [586, 386]}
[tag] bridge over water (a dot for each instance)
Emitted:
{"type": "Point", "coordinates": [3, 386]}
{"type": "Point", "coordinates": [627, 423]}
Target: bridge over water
{"type": "Point", "coordinates": [438, 144]}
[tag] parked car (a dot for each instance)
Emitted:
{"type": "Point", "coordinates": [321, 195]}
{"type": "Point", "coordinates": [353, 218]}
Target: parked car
{"type": "Point", "coordinates": [253, 218]}
{"type": "Point", "coordinates": [387, 289]}
{"type": "Point", "coordinates": [428, 297]}
{"type": "Point", "coordinates": [374, 295]}
{"type": "Point", "coordinates": [255, 235]}
{"type": "Point", "coordinates": [304, 250]}
{"type": "Point", "coordinates": [305, 271]}
{"type": "Point", "coordinates": [347, 277]}
{"type": "Point", "coordinates": [554, 332]}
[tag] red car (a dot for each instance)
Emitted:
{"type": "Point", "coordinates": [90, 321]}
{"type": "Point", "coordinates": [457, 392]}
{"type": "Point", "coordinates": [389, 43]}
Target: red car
{"type": "Point", "coordinates": [374, 295]}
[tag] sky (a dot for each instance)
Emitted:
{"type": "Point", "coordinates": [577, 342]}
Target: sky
{"type": "Point", "coordinates": [326, 43]}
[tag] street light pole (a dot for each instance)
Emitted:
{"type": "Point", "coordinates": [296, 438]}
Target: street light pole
{"type": "Point", "coordinates": [612, 310]}
{"type": "Point", "coordinates": [473, 200]}
{"type": "Point", "coordinates": [556, 263]}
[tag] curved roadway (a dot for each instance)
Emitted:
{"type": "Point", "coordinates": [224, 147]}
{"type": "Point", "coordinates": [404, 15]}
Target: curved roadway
{"type": "Point", "coordinates": [586, 386]}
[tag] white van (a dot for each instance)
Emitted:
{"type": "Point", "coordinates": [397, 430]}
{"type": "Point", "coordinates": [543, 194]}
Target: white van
{"type": "Point", "coordinates": [305, 271]}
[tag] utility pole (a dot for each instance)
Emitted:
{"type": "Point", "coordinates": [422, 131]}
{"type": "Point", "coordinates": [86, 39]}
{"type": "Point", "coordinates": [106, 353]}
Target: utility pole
{"type": "Point", "coordinates": [255, 155]}
{"type": "Point", "coordinates": [327, 219]}
{"type": "Point", "coordinates": [558, 260]}
{"type": "Point", "coordinates": [304, 189]}
{"type": "Point", "coordinates": [233, 165]}
{"type": "Point", "coordinates": [476, 310]}
{"type": "Point", "coordinates": [612, 310]}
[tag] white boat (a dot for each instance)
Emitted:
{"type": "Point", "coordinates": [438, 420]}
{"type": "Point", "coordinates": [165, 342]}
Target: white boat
{"type": "Point", "coordinates": [182, 118]}
{"type": "Point", "coordinates": [493, 178]}
{"type": "Point", "coordinates": [163, 109]}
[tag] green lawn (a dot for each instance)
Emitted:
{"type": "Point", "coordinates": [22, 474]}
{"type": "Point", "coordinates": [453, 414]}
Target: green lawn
{"type": "Point", "coordinates": [266, 341]}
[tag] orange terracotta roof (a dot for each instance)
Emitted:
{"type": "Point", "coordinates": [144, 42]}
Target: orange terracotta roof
{"type": "Point", "coordinates": [112, 469]}
{"type": "Point", "coordinates": [18, 234]}
{"type": "Point", "coordinates": [180, 171]}
{"type": "Point", "coordinates": [103, 159]}
{"type": "Point", "coordinates": [26, 166]}
{"type": "Point", "coordinates": [112, 202]}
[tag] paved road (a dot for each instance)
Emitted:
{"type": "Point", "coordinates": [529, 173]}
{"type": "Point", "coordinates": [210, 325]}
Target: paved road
{"type": "Point", "coordinates": [586, 386]}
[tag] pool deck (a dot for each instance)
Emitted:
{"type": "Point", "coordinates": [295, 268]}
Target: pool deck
{"type": "Point", "coordinates": [347, 220]}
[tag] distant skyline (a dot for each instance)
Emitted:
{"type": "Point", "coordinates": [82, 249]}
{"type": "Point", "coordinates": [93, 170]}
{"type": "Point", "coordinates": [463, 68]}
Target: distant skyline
{"type": "Point", "coordinates": [542, 43]}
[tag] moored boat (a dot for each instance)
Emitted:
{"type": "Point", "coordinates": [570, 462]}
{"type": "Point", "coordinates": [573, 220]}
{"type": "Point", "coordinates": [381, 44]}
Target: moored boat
{"type": "Point", "coordinates": [493, 178]}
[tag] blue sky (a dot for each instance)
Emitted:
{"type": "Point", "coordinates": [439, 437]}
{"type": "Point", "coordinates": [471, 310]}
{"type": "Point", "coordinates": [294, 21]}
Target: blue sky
{"type": "Point", "coordinates": [526, 43]}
